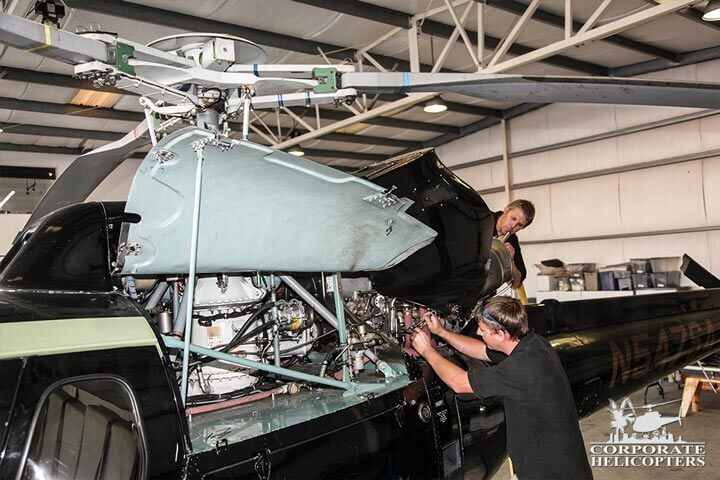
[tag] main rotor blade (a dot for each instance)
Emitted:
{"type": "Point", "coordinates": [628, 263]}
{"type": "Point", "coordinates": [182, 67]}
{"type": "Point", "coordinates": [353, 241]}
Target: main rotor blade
{"type": "Point", "coordinates": [539, 89]}
{"type": "Point", "coordinates": [49, 41]}
{"type": "Point", "coordinates": [88, 171]}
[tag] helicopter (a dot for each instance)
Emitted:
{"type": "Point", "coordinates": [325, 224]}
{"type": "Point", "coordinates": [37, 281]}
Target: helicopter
{"type": "Point", "coordinates": [245, 314]}
{"type": "Point", "coordinates": [650, 424]}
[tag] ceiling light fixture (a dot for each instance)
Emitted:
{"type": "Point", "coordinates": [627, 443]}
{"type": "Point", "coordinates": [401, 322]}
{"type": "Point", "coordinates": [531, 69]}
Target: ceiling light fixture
{"type": "Point", "coordinates": [297, 151]}
{"type": "Point", "coordinates": [436, 105]}
{"type": "Point", "coordinates": [712, 11]}
{"type": "Point", "coordinates": [7, 197]}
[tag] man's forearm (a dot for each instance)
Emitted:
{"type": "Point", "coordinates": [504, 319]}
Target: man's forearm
{"type": "Point", "coordinates": [472, 347]}
{"type": "Point", "coordinates": [454, 377]}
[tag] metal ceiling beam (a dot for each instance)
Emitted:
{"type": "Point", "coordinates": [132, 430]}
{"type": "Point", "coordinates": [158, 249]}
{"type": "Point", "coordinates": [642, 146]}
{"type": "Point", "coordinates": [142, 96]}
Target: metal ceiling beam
{"type": "Point", "coordinates": [386, 121]}
{"type": "Point", "coordinates": [370, 140]}
{"type": "Point", "coordinates": [69, 109]}
{"type": "Point", "coordinates": [366, 139]}
{"type": "Point", "coordinates": [45, 131]}
{"type": "Point", "coordinates": [687, 58]}
{"type": "Point", "coordinates": [18, 147]}
{"type": "Point", "coordinates": [370, 157]}
{"type": "Point", "coordinates": [347, 137]}
{"type": "Point", "coordinates": [508, 114]}
{"type": "Point", "coordinates": [549, 18]}
{"type": "Point", "coordinates": [453, 106]}
{"type": "Point", "coordinates": [157, 16]}
{"type": "Point", "coordinates": [111, 114]}
{"type": "Point", "coordinates": [42, 130]}
{"type": "Point", "coordinates": [430, 27]}
{"type": "Point", "coordinates": [692, 15]}
{"type": "Point", "coordinates": [473, 109]}
{"type": "Point", "coordinates": [53, 79]}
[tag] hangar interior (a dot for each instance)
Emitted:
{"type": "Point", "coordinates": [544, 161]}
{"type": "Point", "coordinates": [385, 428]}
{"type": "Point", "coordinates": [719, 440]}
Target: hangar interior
{"type": "Point", "coordinates": [610, 182]}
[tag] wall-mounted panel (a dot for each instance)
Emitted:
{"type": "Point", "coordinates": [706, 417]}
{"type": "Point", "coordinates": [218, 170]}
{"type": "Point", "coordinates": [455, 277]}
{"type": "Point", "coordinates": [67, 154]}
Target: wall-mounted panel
{"type": "Point", "coordinates": [660, 143]}
{"type": "Point", "coordinates": [480, 177]}
{"type": "Point", "coordinates": [10, 226]}
{"type": "Point", "coordinates": [530, 130]}
{"type": "Point", "coordinates": [707, 71]}
{"type": "Point", "coordinates": [541, 228]}
{"type": "Point", "coordinates": [634, 115]}
{"type": "Point", "coordinates": [496, 201]}
{"type": "Point", "coordinates": [585, 207]}
{"type": "Point", "coordinates": [571, 121]}
{"type": "Point", "coordinates": [683, 73]}
{"type": "Point", "coordinates": [600, 252]}
{"type": "Point", "coordinates": [528, 168]}
{"type": "Point", "coordinates": [662, 198]}
{"type": "Point", "coordinates": [709, 128]}
{"type": "Point", "coordinates": [713, 263]}
{"type": "Point", "coordinates": [588, 157]}
{"type": "Point", "coordinates": [711, 189]}
{"type": "Point", "coordinates": [479, 145]}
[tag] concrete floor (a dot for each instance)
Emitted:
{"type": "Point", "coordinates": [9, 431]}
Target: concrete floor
{"type": "Point", "coordinates": [703, 426]}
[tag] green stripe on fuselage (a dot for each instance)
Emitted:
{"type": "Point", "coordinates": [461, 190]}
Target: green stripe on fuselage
{"type": "Point", "coordinates": [50, 337]}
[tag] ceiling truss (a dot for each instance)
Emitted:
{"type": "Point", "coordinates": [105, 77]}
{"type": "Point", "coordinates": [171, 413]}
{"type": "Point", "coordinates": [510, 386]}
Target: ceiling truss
{"type": "Point", "coordinates": [381, 111]}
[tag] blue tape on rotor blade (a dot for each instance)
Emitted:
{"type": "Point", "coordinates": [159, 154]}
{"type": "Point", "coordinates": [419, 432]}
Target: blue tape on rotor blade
{"type": "Point", "coordinates": [280, 100]}
{"type": "Point", "coordinates": [406, 82]}
{"type": "Point", "coordinates": [307, 99]}
{"type": "Point", "coordinates": [255, 70]}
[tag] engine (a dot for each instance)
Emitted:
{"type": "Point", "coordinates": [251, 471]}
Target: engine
{"type": "Point", "coordinates": [285, 322]}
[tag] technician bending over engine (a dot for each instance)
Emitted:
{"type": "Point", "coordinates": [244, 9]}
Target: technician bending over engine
{"type": "Point", "coordinates": [543, 436]}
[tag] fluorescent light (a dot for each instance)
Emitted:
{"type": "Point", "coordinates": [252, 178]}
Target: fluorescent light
{"type": "Point", "coordinates": [95, 98]}
{"type": "Point", "coordinates": [712, 11]}
{"type": "Point", "coordinates": [297, 151]}
{"type": "Point", "coordinates": [435, 105]}
{"type": "Point", "coordinates": [7, 197]}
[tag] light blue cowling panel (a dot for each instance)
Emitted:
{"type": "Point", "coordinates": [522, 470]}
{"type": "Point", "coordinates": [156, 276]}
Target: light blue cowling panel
{"type": "Point", "coordinates": [260, 210]}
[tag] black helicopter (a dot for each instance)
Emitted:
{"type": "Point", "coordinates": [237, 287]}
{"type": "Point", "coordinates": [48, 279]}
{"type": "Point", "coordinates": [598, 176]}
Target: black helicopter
{"type": "Point", "coordinates": [200, 330]}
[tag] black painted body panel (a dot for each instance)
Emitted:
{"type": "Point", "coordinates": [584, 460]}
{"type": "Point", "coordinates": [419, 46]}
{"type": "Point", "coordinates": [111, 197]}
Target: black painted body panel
{"type": "Point", "coordinates": [69, 249]}
{"type": "Point", "coordinates": [452, 268]}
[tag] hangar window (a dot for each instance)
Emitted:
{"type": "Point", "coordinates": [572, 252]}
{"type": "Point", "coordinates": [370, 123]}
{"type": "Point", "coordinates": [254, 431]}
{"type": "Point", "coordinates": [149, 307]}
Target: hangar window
{"type": "Point", "coordinates": [89, 428]}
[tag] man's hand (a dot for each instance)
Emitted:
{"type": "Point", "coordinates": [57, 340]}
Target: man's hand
{"type": "Point", "coordinates": [510, 248]}
{"type": "Point", "coordinates": [421, 342]}
{"type": "Point", "coordinates": [433, 323]}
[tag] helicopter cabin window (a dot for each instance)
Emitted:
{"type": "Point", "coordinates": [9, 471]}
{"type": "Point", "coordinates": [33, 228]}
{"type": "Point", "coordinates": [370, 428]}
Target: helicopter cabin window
{"type": "Point", "coordinates": [86, 429]}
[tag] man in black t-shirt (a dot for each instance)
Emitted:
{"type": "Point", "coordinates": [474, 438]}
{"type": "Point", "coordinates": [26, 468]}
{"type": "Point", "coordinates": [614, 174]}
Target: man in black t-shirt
{"type": "Point", "coordinates": [543, 436]}
{"type": "Point", "coordinates": [517, 215]}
